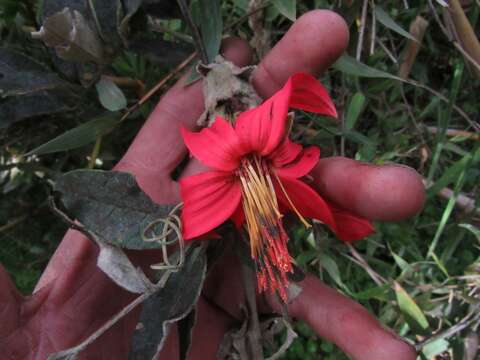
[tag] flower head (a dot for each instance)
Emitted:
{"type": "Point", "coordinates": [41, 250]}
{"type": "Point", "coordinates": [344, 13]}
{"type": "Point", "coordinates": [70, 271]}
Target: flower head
{"type": "Point", "coordinates": [255, 176]}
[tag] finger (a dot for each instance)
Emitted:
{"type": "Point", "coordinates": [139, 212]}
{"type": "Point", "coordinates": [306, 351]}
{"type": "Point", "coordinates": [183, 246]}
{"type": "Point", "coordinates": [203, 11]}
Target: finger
{"type": "Point", "coordinates": [389, 192]}
{"type": "Point", "coordinates": [158, 148]}
{"type": "Point", "coordinates": [311, 45]}
{"type": "Point", "coordinates": [346, 323]}
{"type": "Point", "coordinates": [9, 304]}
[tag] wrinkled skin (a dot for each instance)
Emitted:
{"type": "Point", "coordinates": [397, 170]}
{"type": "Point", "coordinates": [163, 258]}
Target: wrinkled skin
{"type": "Point", "coordinates": [73, 297]}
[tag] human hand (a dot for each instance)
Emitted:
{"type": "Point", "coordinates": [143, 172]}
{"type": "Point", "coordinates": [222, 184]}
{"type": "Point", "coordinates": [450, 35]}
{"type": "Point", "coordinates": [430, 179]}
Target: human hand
{"type": "Point", "coordinates": [74, 298]}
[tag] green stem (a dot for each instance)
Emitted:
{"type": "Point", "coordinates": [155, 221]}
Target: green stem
{"type": "Point", "coordinates": [95, 152]}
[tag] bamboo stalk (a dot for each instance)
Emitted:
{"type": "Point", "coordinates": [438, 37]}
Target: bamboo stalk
{"type": "Point", "coordinates": [465, 33]}
{"type": "Point", "coordinates": [417, 29]}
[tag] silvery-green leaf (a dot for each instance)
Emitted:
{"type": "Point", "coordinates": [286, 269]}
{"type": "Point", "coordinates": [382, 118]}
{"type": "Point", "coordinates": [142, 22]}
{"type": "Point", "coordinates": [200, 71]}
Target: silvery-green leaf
{"type": "Point", "coordinates": [110, 95]}
{"type": "Point", "coordinates": [172, 303]}
{"type": "Point", "coordinates": [113, 262]}
{"type": "Point", "coordinates": [111, 205]}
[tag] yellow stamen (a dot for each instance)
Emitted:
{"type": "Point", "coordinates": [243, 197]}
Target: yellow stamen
{"type": "Point", "coordinates": [268, 239]}
{"type": "Point", "coordinates": [302, 219]}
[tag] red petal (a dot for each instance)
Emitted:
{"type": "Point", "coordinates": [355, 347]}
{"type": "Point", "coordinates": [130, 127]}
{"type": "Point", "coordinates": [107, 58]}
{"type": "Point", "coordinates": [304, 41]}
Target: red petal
{"type": "Point", "coordinates": [263, 128]}
{"type": "Point", "coordinates": [306, 201]}
{"type": "Point", "coordinates": [351, 227]}
{"type": "Point", "coordinates": [308, 159]}
{"type": "Point", "coordinates": [238, 216]}
{"type": "Point", "coordinates": [217, 147]}
{"type": "Point", "coordinates": [308, 94]}
{"type": "Point", "coordinates": [285, 153]}
{"type": "Point", "coordinates": [209, 199]}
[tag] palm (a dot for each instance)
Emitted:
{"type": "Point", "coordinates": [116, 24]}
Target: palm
{"type": "Point", "coordinates": [74, 298]}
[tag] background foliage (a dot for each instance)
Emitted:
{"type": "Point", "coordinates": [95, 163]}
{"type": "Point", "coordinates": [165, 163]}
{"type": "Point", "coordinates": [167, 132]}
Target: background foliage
{"type": "Point", "coordinates": [421, 277]}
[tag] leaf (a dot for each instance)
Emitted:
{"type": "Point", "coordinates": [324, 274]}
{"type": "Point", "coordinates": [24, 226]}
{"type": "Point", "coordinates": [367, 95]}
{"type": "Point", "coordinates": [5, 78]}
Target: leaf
{"type": "Point", "coordinates": [332, 269]}
{"type": "Point", "coordinates": [172, 303]}
{"type": "Point", "coordinates": [350, 66]}
{"type": "Point", "coordinates": [15, 109]}
{"type": "Point", "coordinates": [193, 75]}
{"type": "Point", "coordinates": [131, 8]}
{"type": "Point", "coordinates": [388, 22]}
{"type": "Point", "coordinates": [72, 37]}
{"type": "Point", "coordinates": [110, 95]}
{"type": "Point", "coordinates": [378, 293]}
{"type": "Point", "coordinates": [107, 15]}
{"type": "Point", "coordinates": [77, 137]}
{"type": "Point", "coordinates": [287, 8]}
{"type": "Point", "coordinates": [235, 342]}
{"type": "Point", "coordinates": [473, 229]}
{"type": "Point", "coordinates": [354, 110]}
{"type": "Point", "coordinates": [359, 138]}
{"type": "Point", "coordinates": [185, 333]}
{"type": "Point", "coordinates": [413, 314]}
{"type": "Point", "coordinates": [111, 205]}
{"type": "Point", "coordinates": [21, 75]}
{"type": "Point", "coordinates": [449, 175]}
{"type": "Point", "coordinates": [28, 88]}
{"type": "Point", "coordinates": [211, 26]}
{"type": "Point", "coordinates": [274, 326]}
{"type": "Point", "coordinates": [434, 348]}
{"type": "Point", "coordinates": [113, 262]}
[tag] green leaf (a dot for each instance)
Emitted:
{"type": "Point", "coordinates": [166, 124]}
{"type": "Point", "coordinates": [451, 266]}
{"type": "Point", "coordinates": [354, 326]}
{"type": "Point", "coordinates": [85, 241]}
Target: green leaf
{"type": "Point", "coordinates": [350, 66]}
{"type": "Point", "coordinates": [287, 8]}
{"type": "Point", "coordinates": [451, 174]}
{"type": "Point", "coordinates": [378, 293]}
{"type": "Point", "coordinates": [79, 136]}
{"type": "Point", "coordinates": [473, 229]}
{"type": "Point", "coordinates": [413, 314]}
{"type": "Point", "coordinates": [436, 347]}
{"type": "Point", "coordinates": [354, 110]}
{"type": "Point", "coordinates": [111, 205]}
{"type": "Point", "coordinates": [359, 138]}
{"type": "Point", "coordinates": [387, 21]}
{"type": "Point", "coordinates": [402, 264]}
{"type": "Point", "coordinates": [173, 302]}
{"type": "Point", "coordinates": [211, 26]}
{"type": "Point", "coordinates": [110, 95]}
{"type": "Point", "coordinates": [332, 269]}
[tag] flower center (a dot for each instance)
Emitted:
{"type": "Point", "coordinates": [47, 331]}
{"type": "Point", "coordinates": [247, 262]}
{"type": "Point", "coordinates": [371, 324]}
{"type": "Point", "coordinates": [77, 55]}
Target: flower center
{"type": "Point", "coordinates": [268, 239]}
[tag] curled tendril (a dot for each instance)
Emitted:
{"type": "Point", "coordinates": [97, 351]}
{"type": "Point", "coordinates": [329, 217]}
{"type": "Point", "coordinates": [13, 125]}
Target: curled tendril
{"type": "Point", "coordinates": [171, 234]}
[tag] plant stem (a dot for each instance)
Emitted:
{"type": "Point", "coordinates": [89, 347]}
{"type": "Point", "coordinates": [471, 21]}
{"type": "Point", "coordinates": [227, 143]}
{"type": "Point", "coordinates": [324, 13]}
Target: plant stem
{"type": "Point", "coordinates": [254, 335]}
{"type": "Point", "coordinates": [95, 152]}
{"type": "Point", "coordinates": [197, 38]}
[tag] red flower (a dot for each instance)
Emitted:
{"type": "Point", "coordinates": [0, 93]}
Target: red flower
{"type": "Point", "coordinates": [255, 173]}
